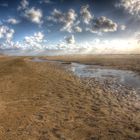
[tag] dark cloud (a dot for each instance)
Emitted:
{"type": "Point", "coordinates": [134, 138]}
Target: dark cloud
{"type": "Point", "coordinates": [86, 14]}
{"type": "Point", "coordinates": [103, 24]}
{"type": "Point", "coordinates": [66, 19]}
{"type": "Point", "coordinates": [70, 39]}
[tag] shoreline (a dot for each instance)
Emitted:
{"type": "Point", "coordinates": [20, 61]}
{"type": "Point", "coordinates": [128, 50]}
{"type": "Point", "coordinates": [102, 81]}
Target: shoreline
{"type": "Point", "coordinates": [122, 62]}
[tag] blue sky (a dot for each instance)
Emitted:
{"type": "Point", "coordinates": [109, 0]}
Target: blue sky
{"type": "Point", "coordinates": [42, 27]}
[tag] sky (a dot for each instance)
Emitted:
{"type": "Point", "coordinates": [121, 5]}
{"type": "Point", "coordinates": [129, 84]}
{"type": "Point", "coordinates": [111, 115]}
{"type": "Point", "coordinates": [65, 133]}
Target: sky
{"type": "Point", "coordinates": [55, 27]}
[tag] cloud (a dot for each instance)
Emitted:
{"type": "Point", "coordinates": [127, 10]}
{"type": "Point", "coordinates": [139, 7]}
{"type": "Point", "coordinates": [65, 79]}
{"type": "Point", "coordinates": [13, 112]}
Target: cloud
{"type": "Point", "coordinates": [70, 39]}
{"type": "Point", "coordinates": [66, 19]}
{"type": "Point", "coordinates": [4, 4]}
{"type": "Point", "coordinates": [103, 24]}
{"type": "Point", "coordinates": [70, 17]}
{"type": "Point", "coordinates": [78, 29]}
{"type": "Point", "coordinates": [23, 5]}
{"type": "Point", "coordinates": [86, 15]}
{"type": "Point", "coordinates": [97, 46]}
{"type": "Point", "coordinates": [57, 16]}
{"type": "Point", "coordinates": [131, 6]}
{"type": "Point", "coordinates": [137, 36]}
{"type": "Point", "coordinates": [37, 37]}
{"type": "Point", "coordinates": [47, 2]}
{"type": "Point", "coordinates": [70, 23]}
{"type": "Point", "coordinates": [6, 33]}
{"type": "Point", "coordinates": [122, 27]}
{"type": "Point", "coordinates": [13, 21]}
{"type": "Point", "coordinates": [34, 41]}
{"type": "Point", "coordinates": [34, 15]}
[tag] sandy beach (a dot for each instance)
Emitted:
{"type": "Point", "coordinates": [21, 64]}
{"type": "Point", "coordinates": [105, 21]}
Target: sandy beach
{"type": "Point", "coordinates": [42, 101]}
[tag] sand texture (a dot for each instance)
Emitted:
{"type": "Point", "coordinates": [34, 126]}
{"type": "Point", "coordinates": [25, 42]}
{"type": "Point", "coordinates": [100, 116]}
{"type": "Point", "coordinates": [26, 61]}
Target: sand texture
{"type": "Point", "coordinates": [41, 101]}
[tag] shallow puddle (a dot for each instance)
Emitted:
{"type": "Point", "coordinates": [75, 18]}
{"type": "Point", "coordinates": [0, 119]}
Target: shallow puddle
{"type": "Point", "coordinates": [123, 77]}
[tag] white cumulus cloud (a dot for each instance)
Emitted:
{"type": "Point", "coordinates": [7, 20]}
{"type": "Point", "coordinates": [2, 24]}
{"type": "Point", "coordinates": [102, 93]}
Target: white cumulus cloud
{"type": "Point", "coordinates": [34, 15]}
{"type": "Point", "coordinates": [131, 6]}
{"type": "Point", "coordinates": [23, 5]}
{"type": "Point", "coordinates": [122, 27]}
{"type": "Point", "coordinates": [34, 41]}
{"type": "Point", "coordinates": [13, 21]}
{"type": "Point", "coordinates": [66, 19]}
{"type": "Point", "coordinates": [78, 29]}
{"type": "Point", "coordinates": [86, 14]}
{"type": "Point", "coordinates": [6, 33]}
{"type": "Point", "coordinates": [70, 17]}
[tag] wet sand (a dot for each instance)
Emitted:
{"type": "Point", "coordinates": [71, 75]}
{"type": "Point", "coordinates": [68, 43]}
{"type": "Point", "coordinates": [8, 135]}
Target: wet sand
{"type": "Point", "coordinates": [42, 101]}
{"type": "Point", "coordinates": [125, 62]}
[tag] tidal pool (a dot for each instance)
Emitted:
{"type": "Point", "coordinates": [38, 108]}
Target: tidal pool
{"type": "Point", "coordinates": [101, 73]}
{"type": "Point", "coordinates": [124, 77]}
